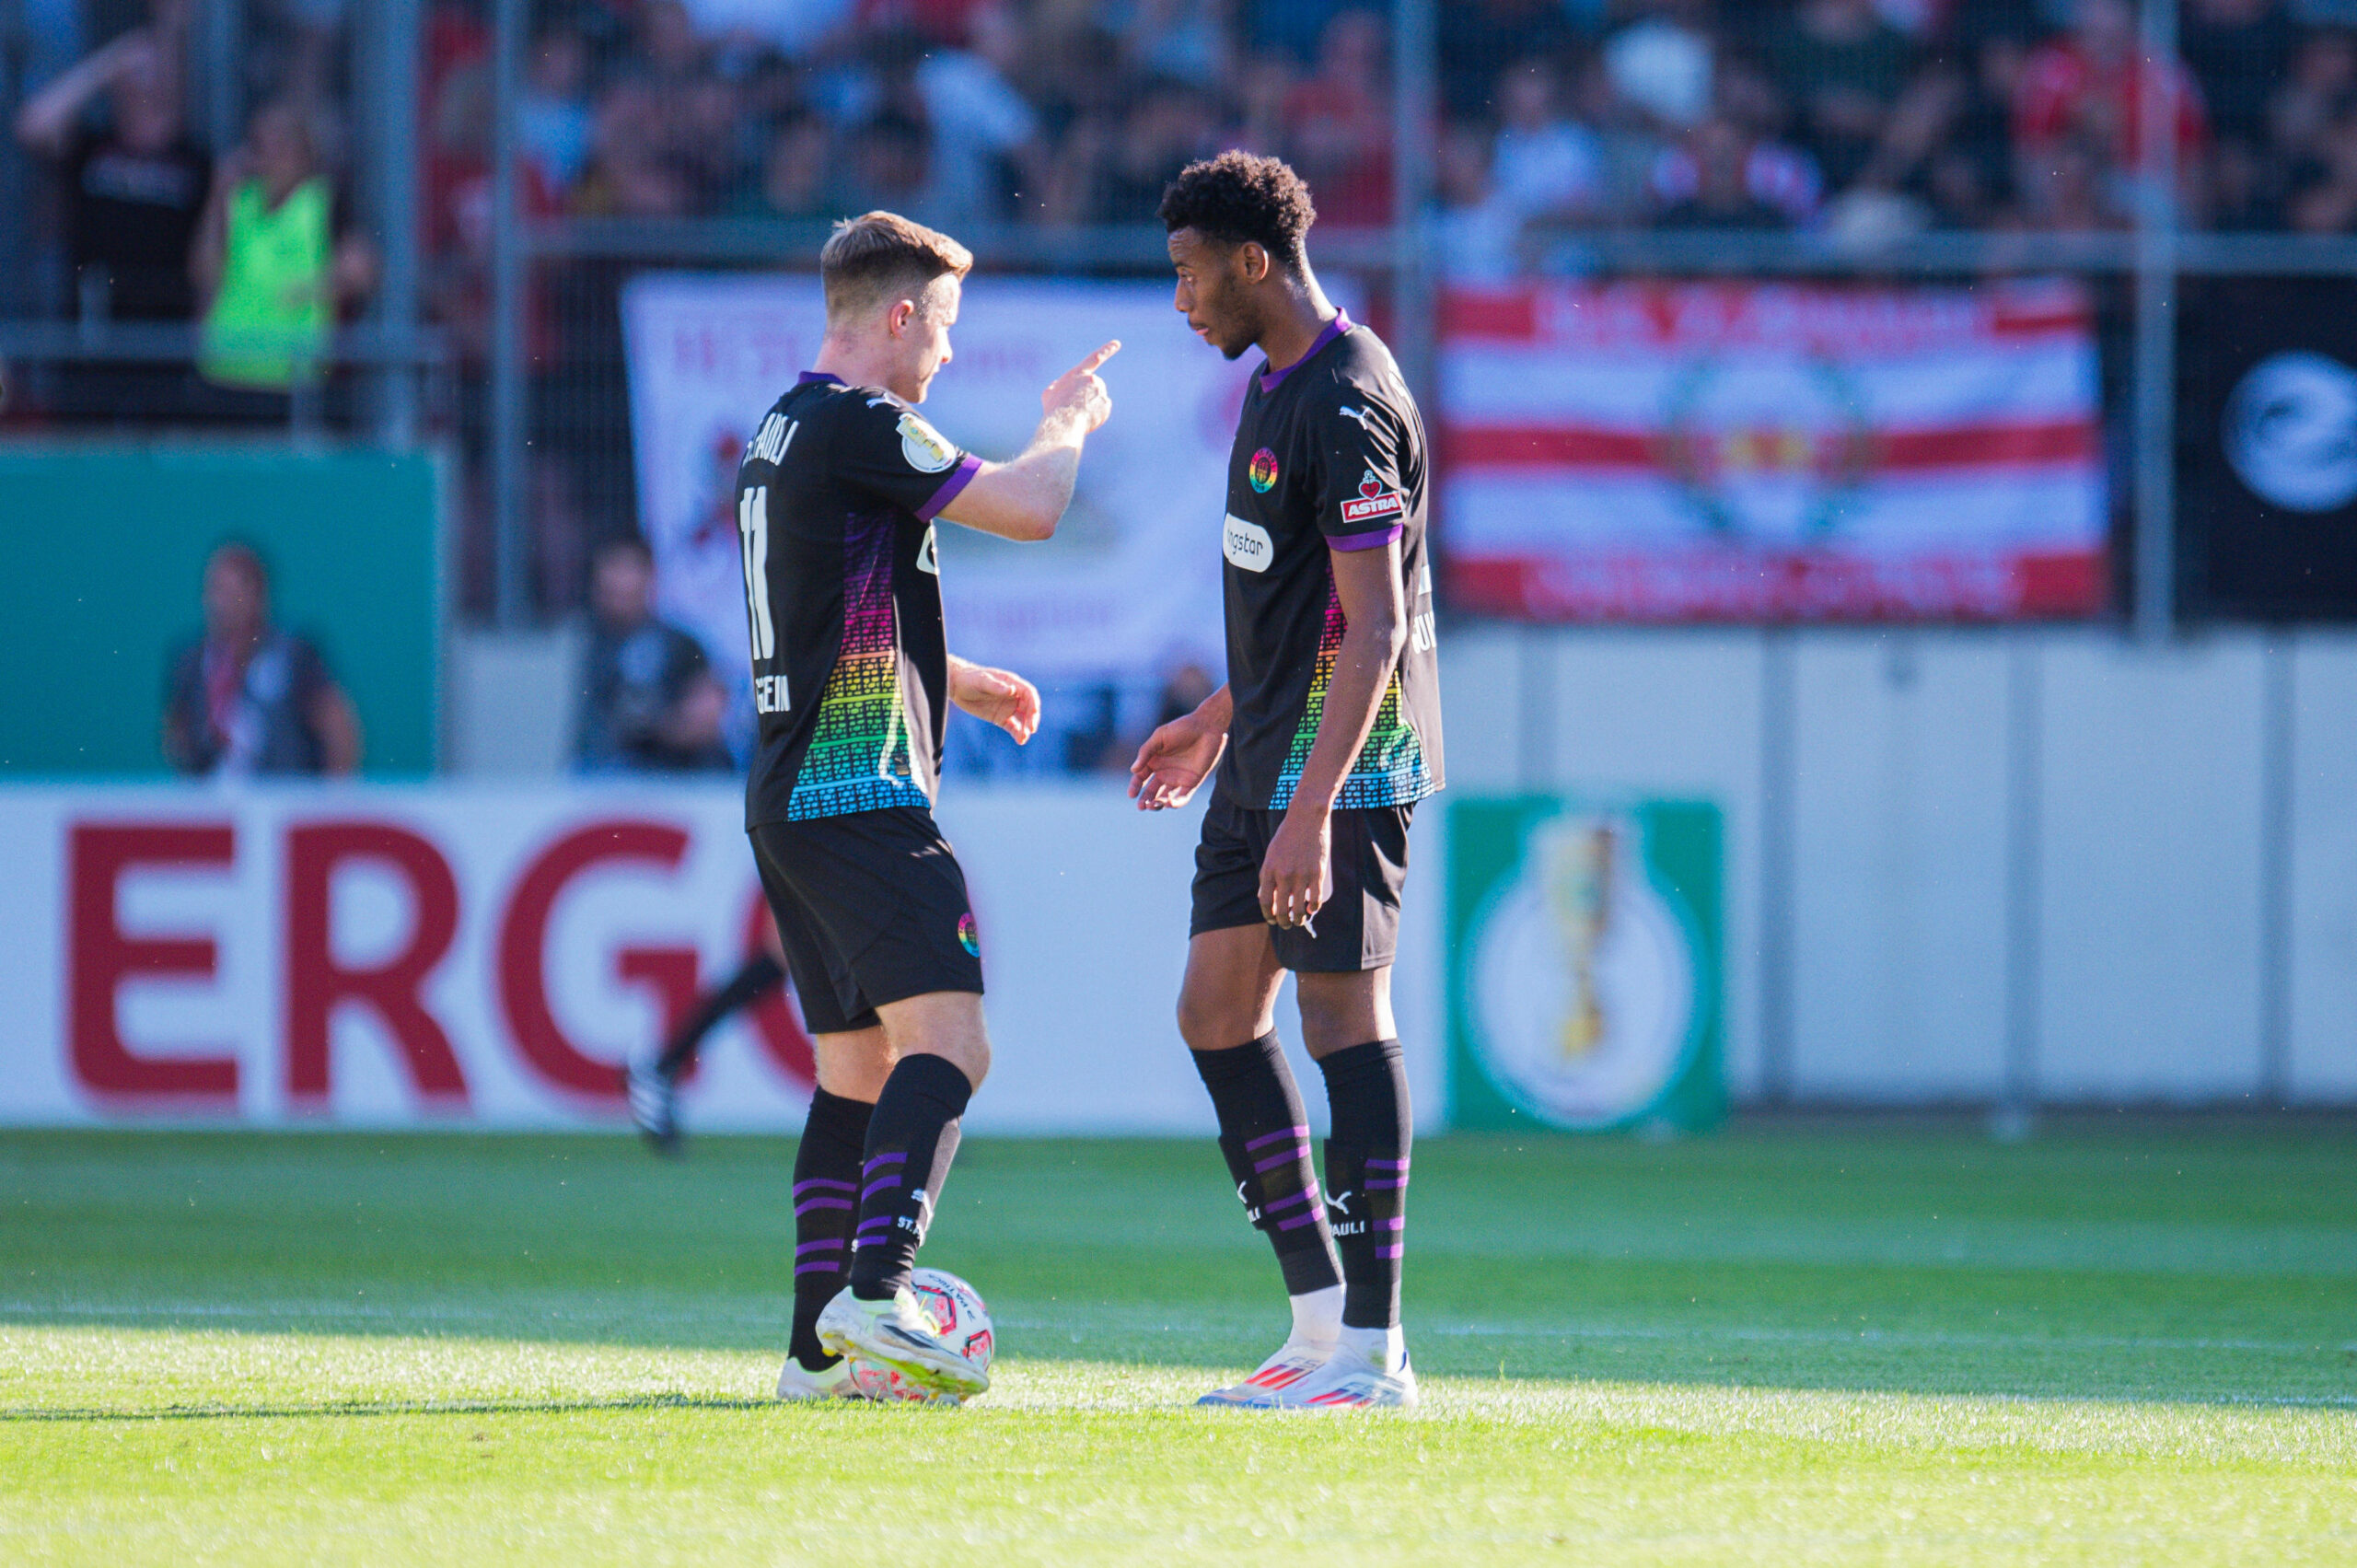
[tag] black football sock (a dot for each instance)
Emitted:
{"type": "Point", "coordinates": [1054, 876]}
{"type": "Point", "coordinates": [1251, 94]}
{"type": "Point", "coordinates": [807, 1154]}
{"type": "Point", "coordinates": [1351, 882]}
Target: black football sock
{"type": "Point", "coordinates": [1366, 1177]}
{"type": "Point", "coordinates": [760, 972]}
{"type": "Point", "coordinates": [910, 1140]}
{"type": "Point", "coordinates": [826, 1205]}
{"type": "Point", "coordinates": [1264, 1134]}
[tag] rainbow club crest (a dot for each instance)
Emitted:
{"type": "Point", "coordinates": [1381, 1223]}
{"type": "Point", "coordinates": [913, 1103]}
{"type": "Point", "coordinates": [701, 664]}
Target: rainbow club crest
{"type": "Point", "coordinates": [1264, 471]}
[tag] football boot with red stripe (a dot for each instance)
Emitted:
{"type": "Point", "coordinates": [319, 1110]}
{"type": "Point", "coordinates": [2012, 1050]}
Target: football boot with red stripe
{"type": "Point", "coordinates": [1294, 1360]}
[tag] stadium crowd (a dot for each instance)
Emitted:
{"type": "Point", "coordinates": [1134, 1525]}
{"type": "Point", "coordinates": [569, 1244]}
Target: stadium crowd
{"type": "Point", "coordinates": [1865, 115]}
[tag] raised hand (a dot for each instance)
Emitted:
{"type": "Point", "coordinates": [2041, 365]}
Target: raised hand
{"type": "Point", "coordinates": [1081, 390]}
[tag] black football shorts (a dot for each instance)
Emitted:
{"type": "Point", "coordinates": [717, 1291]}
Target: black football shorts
{"type": "Point", "coordinates": [1358, 928]}
{"type": "Point", "coordinates": [871, 909]}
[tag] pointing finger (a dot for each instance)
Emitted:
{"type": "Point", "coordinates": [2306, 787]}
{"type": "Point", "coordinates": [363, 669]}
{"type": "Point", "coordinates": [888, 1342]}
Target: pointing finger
{"type": "Point", "coordinates": [1088, 366]}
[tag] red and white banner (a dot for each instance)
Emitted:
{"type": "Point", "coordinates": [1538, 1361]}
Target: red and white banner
{"type": "Point", "coordinates": [433, 955]}
{"type": "Point", "coordinates": [1647, 451]}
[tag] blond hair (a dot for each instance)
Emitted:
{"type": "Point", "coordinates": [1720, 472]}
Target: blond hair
{"type": "Point", "coordinates": [880, 256]}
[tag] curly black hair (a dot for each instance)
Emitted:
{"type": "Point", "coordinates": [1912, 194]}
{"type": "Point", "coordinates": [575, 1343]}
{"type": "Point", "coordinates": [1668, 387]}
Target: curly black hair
{"type": "Point", "coordinates": [1236, 197]}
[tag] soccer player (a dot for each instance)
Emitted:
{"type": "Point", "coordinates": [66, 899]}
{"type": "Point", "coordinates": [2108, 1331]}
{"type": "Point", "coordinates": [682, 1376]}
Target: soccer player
{"type": "Point", "coordinates": [836, 502]}
{"type": "Point", "coordinates": [652, 1083]}
{"type": "Point", "coordinates": [1325, 737]}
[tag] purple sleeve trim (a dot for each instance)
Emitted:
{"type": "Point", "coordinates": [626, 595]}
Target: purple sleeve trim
{"type": "Point", "coordinates": [1375, 539]}
{"type": "Point", "coordinates": [959, 478]}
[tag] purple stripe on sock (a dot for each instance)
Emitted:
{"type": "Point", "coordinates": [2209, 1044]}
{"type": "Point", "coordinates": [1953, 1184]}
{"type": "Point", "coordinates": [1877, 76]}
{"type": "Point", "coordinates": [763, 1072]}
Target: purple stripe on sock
{"type": "Point", "coordinates": [1299, 1220]}
{"type": "Point", "coordinates": [803, 1269]}
{"type": "Point", "coordinates": [1390, 1252]}
{"type": "Point", "coordinates": [881, 1160]}
{"type": "Point", "coordinates": [819, 1183]}
{"type": "Point", "coordinates": [1306, 1195]}
{"type": "Point", "coordinates": [1298, 1152]}
{"type": "Point", "coordinates": [1396, 1222]}
{"type": "Point", "coordinates": [1387, 1165]}
{"type": "Point", "coordinates": [1389, 1186]}
{"type": "Point", "coordinates": [881, 1184]}
{"type": "Point", "coordinates": [801, 1209]}
{"type": "Point", "coordinates": [881, 1222]}
{"type": "Point", "coordinates": [832, 1244]}
{"type": "Point", "coordinates": [1293, 1133]}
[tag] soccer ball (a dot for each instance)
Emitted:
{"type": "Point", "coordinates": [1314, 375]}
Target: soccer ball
{"type": "Point", "coordinates": [965, 1325]}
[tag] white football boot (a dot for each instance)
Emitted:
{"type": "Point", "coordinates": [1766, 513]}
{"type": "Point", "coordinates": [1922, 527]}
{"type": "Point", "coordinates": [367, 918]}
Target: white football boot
{"type": "Point", "coordinates": [794, 1383]}
{"type": "Point", "coordinates": [900, 1334]}
{"type": "Point", "coordinates": [1296, 1360]}
{"type": "Point", "coordinates": [1369, 1370]}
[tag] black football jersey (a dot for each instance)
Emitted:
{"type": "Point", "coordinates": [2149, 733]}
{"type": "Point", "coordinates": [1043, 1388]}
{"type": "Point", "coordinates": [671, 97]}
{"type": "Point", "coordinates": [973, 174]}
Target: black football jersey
{"type": "Point", "coordinates": [1329, 455]}
{"type": "Point", "coordinates": [835, 504]}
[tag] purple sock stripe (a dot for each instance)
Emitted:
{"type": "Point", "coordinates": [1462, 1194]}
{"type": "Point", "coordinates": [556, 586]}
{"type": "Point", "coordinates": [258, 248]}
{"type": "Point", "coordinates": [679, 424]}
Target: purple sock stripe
{"type": "Point", "coordinates": [1294, 1133]}
{"type": "Point", "coordinates": [832, 1244]}
{"type": "Point", "coordinates": [1306, 1195]}
{"type": "Point", "coordinates": [1389, 1185]}
{"type": "Point", "coordinates": [881, 1184]}
{"type": "Point", "coordinates": [1387, 1165]}
{"type": "Point", "coordinates": [1397, 1222]}
{"type": "Point", "coordinates": [880, 1160]}
{"type": "Point", "coordinates": [844, 1204]}
{"type": "Point", "coordinates": [817, 1183]}
{"type": "Point", "coordinates": [1299, 1220]}
{"type": "Point", "coordinates": [1391, 1251]}
{"type": "Point", "coordinates": [1298, 1152]}
{"type": "Point", "coordinates": [881, 1222]}
{"type": "Point", "coordinates": [802, 1269]}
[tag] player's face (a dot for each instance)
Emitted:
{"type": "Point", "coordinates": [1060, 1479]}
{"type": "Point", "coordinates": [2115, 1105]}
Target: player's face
{"type": "Point", "coordinates": [1215, 294]}
{"type": "Point", "coordinates": [925, 336]}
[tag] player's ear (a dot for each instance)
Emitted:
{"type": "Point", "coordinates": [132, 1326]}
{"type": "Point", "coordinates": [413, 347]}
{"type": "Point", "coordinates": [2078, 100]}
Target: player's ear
{"type": "Point", "coordinates": [1255, 260]}
{"type": "Point", "coordinates": [897, 320]}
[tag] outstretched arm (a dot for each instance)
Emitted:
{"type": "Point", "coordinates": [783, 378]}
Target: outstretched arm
{"type": "Point", "coordinates": [1025, 499]}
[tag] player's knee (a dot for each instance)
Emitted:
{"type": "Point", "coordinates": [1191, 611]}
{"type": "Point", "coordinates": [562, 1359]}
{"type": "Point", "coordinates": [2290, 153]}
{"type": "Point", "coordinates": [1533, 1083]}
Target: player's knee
{"type": "Point", "coordinates": [1209, 1024]}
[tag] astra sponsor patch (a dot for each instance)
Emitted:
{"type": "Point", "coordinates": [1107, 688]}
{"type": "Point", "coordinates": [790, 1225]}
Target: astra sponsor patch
{"type": "Point", "coordinates": [1246, 544]}
{"type": "Point", "coordinates": [1372, 501]}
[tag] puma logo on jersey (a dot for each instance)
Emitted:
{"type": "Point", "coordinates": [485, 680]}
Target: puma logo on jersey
{"type": "Point", "coordinates": [1360, 414]}
{"type": "Point", "coordinates": [1247, 545]}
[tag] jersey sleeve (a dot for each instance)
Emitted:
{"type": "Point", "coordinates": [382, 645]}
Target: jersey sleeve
{"type": "Point", "coordinates": [1360, 477]}
{"type": "Point", "coordinates": [889, 451]}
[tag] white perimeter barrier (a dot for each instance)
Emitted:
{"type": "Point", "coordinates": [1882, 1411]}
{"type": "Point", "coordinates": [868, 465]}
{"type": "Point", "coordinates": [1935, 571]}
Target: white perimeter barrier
{"type": "Point", "coordinates": [437, 955]}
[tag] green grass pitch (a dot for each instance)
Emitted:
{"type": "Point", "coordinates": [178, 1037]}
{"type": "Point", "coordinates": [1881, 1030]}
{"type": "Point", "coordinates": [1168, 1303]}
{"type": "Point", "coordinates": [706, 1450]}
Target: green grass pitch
{"type": "Point", "coordinates": [2110, 1344]}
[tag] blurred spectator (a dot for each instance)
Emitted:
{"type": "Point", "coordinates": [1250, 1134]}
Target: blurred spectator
{"type": "Point", "coordinates": [273, 259]}
{"type": "Point", "coordinates": [553, 121]}
{"type": "Point", "coordinates": [630, 174]}
{"type": "Point", "coordinates": [1480, 39]}
{"type": "Point", "coordinates": [985, 136]}
{"type": "Point", "coordinates": [1841, 67]}
{"type": "Point", "coordinates": [649, 702]}
{"type": "Point", "coordinates": [1661, 67]}
{"type": "Point", "coordinates": [794, 173]}
{"type": "Point", "coordinates": [1545, 164]}
{"type": "Point", "coordinates": [133, 189]}
{"type": "Point", "coordinates": [2090, 86]}
{"type": "Point", "coordinates": [1480, 235]}
{"type": "Point", "coordinates": [246, 698]}
{"type": "Point", "coordinates": [1723, 176]}
{"type": "Point", "coordinates": [1338, 123]}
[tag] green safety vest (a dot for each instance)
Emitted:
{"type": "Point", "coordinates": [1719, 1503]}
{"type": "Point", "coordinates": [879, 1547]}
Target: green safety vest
{"type": "Point", "coordinates": [269, 320]}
